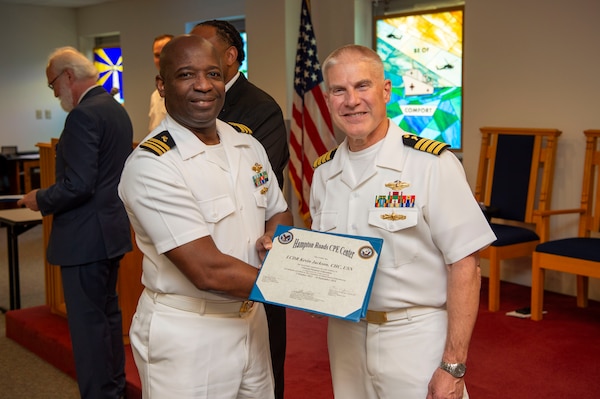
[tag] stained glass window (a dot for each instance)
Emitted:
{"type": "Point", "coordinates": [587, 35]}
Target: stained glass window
{"type": "Point", "coordinates": [422, 56]}
{"type": "Point", "coordinates": [109, 62]}
{"type": "Point", "coordinates": [244, 66]}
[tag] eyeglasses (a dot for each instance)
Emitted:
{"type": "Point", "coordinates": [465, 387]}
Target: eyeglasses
{"type": "Point", "coordinates": [51, 84]}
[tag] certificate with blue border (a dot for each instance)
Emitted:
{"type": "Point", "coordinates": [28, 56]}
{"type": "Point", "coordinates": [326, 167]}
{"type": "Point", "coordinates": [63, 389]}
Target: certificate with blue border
{"type": "Point", "coordinates": [322, 273]}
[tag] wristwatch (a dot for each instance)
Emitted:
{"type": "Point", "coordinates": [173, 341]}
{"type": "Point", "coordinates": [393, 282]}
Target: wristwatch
{"type": "Point", "coordinates": [456, 370]}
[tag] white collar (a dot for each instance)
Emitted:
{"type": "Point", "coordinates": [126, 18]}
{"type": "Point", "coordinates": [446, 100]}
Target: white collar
{"type": "Point", "coordinates": [232, 81]}
{"type": "Point", "coordinates": [86, 92]}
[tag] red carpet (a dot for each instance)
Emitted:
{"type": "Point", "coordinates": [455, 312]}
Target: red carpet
{"type": "Point", "coordinates": [523, 359]}
{"type": "Point", "coordinates": [307, 367]}
{"type": "Point", "coordinates": [307, 364]}
{"type": "Point", "coordinates": [47, 335]}
{"type": "Point", "coordinates": [509, 357]}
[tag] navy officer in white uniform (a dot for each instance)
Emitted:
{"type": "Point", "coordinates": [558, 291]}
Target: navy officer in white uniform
{"type": "Point", "coordinates": [382, 182]}
{"type": "Point", "coordinates": [204, 203]}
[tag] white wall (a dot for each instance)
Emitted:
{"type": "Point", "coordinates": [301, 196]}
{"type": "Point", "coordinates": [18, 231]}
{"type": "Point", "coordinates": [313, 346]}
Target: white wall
{"type": "Point", "coordinates": [30, 34]}
{"type": "Point", "coordinates": [528, 63]}
{"type": "Point", "coordinates": [138, 23]}
{"type": "Point", "coordinates": [535, 64]}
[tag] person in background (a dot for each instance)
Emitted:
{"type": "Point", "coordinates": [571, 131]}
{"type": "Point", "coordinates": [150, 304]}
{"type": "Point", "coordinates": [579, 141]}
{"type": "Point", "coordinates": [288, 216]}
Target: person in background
{"type": "Point", "coordinates": [204, 204]}
{"type": "Point", "coordinates": [90, 228]}
{"type": "Point", "coordinates": [251, 110]}
{"type": "Point", "coordinates": [383, 182]}
{"type": "Point", "coordinates": [157, 103]}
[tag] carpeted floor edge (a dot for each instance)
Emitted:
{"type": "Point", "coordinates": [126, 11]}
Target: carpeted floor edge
{"type": "Point", "coordinates": [47, 335]}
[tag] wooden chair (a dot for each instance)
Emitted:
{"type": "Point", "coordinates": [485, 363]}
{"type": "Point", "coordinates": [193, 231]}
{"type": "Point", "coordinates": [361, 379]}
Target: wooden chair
{"type": "Point", "coordinates": [514, 178]}
{"type": "Point", "coordinates": [578, 255]}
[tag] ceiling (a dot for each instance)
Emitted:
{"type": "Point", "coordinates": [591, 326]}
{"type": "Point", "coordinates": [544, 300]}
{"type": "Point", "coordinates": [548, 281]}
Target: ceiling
{"type": "Point", "coordinates": [58, 3]}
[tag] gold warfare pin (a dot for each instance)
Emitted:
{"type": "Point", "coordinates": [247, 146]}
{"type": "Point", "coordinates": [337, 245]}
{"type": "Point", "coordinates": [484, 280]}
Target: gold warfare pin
{"type": "Point", "coordinates": [392, 216]}
{"type": "Point", "coordinates": [397, 185]}
{"type": "Point", "coordinates": [257, 167]}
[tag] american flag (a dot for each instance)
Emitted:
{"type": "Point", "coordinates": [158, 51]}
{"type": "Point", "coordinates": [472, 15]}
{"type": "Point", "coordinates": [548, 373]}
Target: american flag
{"type": "Point", "coordinates": [311, 132]}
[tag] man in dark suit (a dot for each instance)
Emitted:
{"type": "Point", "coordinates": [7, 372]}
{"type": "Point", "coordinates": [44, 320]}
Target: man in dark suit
{"type": "Point", "coordinates": [90, 228]}
{"type": "Point", "coordinates": [251, 110]}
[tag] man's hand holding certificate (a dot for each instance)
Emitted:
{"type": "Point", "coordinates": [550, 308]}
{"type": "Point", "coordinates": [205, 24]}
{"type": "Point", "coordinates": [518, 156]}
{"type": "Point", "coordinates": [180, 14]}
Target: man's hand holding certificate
{"type": "Point", "coordinates": [323, 273]}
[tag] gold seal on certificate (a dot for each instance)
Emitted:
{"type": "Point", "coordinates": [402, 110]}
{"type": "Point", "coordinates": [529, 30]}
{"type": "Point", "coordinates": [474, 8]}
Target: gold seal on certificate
{"type": "Point", "coordinates": [325, 273]}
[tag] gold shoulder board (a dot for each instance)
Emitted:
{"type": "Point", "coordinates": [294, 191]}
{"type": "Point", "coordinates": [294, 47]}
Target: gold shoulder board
{"type": "Point", "coordinates": [328, 156]}
{"type": "Point", "coordinates": [159, 144]}
{"type": "Point", "coordinates": [427, 145]}
{"type": "Point", "coordinates": [240, 127]}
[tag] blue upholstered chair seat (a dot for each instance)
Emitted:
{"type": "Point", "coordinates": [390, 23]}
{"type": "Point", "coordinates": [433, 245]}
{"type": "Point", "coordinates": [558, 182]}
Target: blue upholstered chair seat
{"type": "Point", "coordinates": [508, 235]}
{"type": "Point", "coordinates": [577, 247]}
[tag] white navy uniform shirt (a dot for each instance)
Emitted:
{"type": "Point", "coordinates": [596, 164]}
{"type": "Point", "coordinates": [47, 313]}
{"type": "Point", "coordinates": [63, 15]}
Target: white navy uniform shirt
{"type": "Point", "coordinates": [439, 223]}
{"type": "Point", "coordinates": [188, 191]}
{"type": "Point", "coordinates": [157, 110]}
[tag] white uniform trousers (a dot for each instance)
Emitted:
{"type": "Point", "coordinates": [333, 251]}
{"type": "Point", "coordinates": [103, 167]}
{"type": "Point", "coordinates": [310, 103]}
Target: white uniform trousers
{"type": "Point", "coordinates": [185, 355]}
{"type": "Point", "coordinates": [393, 360]}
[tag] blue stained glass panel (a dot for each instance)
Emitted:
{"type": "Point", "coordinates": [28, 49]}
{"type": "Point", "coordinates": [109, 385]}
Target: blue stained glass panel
{"type": "Point", "coordinates": [109, 62]}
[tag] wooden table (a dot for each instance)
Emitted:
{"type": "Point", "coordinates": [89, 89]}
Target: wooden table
{"type": "Point", "coordinates": [16, 221]}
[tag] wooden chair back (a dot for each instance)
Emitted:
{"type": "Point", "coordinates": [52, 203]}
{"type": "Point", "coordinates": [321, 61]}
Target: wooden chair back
{"type": "Point", "coordinates": [516, 171]}
{"type": "Point", "coordinates": [589, 222]}
{"type": "Point", "coordinates": [514, 180]}
{"type": "Point", "coordinates": [575, 255]}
